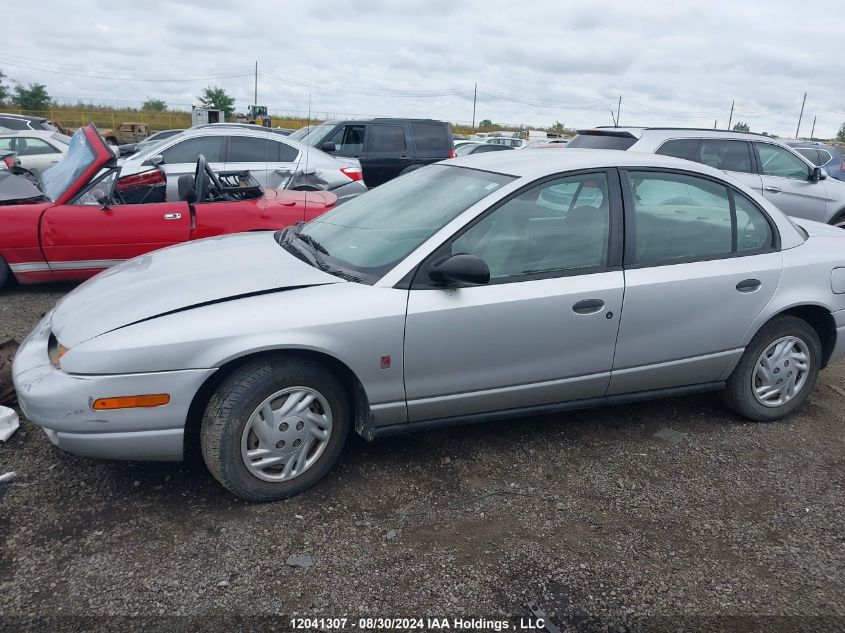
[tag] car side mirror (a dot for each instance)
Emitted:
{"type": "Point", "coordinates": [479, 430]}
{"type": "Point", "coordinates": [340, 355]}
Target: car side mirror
{"type": "Point", "coordinates": [462, 268]}
{"type": "Point", "coordinates": [818, 174]}
{"type": "Point", "coordinates": [103, 200]}
{"type": "Point", "coordinates": [158, 159]}
{"type": "Point", "coordinates": [329, 147]}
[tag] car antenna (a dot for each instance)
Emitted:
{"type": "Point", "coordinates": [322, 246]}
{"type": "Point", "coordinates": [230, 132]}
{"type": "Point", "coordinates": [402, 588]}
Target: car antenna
{"type": "Point", "coordinates": [307, 145]}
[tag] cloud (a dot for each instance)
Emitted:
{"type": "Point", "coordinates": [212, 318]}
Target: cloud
{"type": "Point", "coordinates": [674, 64]}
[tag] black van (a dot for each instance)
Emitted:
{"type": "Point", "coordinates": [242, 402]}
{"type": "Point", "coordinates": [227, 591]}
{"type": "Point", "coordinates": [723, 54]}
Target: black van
{"type": "Point", "coordinates": [385, 147]}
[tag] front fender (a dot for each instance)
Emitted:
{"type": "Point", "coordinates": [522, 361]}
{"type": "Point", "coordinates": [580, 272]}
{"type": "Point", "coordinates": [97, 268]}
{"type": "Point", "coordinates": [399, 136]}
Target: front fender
{"type": "Point", "coordinates": [356, 324]}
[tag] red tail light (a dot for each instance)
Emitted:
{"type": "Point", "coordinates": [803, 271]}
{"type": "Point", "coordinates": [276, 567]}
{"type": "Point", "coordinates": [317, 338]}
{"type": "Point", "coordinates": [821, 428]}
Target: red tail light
{"type": "Point", "coordinates": [146, 179]}
{"type": "Point", "coordinates": [452, 153]}
{"type": "Point", "coordinates": [10, 162]}
{"type": "Point", "coordinates": [353, 173]}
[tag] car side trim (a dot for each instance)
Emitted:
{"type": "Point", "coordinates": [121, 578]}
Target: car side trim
{"type": "Point", "coordinates": [559, 407]}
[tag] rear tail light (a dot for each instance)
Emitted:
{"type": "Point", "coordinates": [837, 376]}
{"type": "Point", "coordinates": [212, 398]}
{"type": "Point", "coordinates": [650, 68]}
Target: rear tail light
{"type": "Point", "coordinates": [353, 173]}
{"type": "Point", "coordinates": [452, 153]}
{"type": "Point", "coordinates": [145, 179]}
{"type": "Point", "coordinates": [10, 162]}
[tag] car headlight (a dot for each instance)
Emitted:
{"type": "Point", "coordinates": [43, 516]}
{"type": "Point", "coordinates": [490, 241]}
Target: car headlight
{"type": "Point", "coordinates": [55, 351]}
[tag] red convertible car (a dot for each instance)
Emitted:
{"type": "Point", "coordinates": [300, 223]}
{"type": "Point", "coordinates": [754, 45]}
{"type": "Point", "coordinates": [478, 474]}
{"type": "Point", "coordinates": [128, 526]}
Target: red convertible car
{"type": "Point", "coordinates": [82, 217]}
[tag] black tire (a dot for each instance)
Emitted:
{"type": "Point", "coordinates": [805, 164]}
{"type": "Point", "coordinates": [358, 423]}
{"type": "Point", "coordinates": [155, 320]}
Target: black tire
{"type": "Point", "coordinates": [239, 395]}
{"type": "Point", "coordinates": [738, 394]}
{"type": "Point", "coordinates": [5, 273]}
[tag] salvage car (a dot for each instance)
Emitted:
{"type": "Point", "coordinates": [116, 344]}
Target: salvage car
{"type": "Point", "coordinates": [83, 216]}
{"type": "Point", "coordinates": [489, 286]}
{"type": "Point", "coordinates": [37, 151]}
{"type": "Point", "coordinates": [273, 160]}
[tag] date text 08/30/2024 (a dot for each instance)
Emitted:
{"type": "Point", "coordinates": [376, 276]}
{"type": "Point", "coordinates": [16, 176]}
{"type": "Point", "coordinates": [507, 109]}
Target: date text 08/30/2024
{"type": "Point", "coordinates": [421, 624]}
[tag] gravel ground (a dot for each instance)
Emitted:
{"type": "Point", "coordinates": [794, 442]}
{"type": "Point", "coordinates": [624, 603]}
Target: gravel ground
{"type": "Point", "coordinates": [590, 515]}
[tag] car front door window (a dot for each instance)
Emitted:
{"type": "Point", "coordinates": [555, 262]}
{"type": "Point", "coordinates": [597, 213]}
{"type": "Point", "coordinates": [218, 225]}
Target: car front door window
{"type": "Point", "coordinates": [776, 161]}
{"type": "Point", "coordinates": [555, 228]}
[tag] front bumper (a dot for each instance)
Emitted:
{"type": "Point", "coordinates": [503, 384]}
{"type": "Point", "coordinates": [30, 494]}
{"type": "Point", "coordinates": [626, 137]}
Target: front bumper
{"type": "Point", "coordinates": [60, 403]}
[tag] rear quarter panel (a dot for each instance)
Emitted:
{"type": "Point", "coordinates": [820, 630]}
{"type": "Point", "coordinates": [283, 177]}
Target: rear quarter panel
{"type": "Point", "coordinates": [806, 279]}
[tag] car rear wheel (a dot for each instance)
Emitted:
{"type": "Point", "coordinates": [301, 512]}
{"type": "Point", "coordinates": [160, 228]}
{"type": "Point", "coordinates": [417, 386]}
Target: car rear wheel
{"type": "Point", "coordinates": [275, 427]}
{"type": "Point", "coordinates": [4, 272]}
{"type": "Point", "coordinates": [777, 371]}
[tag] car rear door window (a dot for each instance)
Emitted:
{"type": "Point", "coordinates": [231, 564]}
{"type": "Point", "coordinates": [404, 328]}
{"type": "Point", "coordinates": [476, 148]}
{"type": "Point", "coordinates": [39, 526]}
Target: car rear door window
{"type": "Point", "coordinates": [603, 141]}
{"type": "Point", "coordinates": [776, 161]}
{"type": "Point", "coordinates": [555, 228]}
{"type": "Point", "coordinates": [386, 138]}
{"type": "Point", "coordinates": [753, 231]}
{"type": "Point", "coordinates": [824, 157]}
{"type": "Point", "coordinates": [27, 146]}
{"type": "Point", "coordinates": [725, 155]}
{"type": "Point", "coordinates": [811, 155]}
{"type": "Point", "coordinates": [188, 151]}
{"type": "Point", "coordinates": [679, 217]}
{"type": "Point", "coordinates": [431, 136]}
{"type": "Point", "coordinates": [285, 153]}
{"type": "Point", "coordinates": [248, 149]}
{"type": "Point", "coordinates": [685, 148]}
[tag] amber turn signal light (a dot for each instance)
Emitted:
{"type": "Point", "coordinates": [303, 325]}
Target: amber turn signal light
{"type": "Point", "coordinates": [130, 402]}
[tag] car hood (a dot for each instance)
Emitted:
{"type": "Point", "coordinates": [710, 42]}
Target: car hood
{"type": "Point", "coordinates": [179, 278]}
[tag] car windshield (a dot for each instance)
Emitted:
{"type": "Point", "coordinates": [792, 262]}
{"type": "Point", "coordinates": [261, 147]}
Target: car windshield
{"type": "Point", "coordinates": [316, 134]}
{"type": "Point", "coordinates": [373, 232]}
{"type": "Point", "coordinates": [80, 156]}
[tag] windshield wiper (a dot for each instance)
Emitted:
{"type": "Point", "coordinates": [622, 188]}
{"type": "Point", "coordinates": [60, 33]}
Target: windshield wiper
{"type": "Point", "coordinates": [312, 242]}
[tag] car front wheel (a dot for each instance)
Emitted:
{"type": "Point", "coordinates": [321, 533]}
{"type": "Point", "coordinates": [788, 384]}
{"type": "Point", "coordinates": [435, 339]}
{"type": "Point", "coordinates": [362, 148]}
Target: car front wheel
{"type": "Point", "coordinates": [275, 427]}
{"type": "Point", "coordinates": [777, 371]}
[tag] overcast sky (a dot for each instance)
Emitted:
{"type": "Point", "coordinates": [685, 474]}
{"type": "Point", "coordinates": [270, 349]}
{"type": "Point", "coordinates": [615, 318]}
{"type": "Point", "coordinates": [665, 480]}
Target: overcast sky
{"type": "Point", "coordinates": [678, 63]}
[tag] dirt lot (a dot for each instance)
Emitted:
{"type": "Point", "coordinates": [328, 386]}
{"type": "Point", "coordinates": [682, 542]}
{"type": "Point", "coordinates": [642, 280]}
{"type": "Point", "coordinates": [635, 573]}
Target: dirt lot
{"type": "Point", "coordinates": [589, 515]}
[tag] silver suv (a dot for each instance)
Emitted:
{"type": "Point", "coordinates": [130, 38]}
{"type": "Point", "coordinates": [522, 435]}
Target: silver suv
{"type": "Point", "coordinates": [768, 166]}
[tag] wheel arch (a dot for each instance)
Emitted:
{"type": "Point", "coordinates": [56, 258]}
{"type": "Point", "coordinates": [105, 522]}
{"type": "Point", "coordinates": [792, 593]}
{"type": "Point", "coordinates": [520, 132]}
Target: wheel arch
{"type": "Point", "coordinates": [362, 417]}
{"type": "Point", "coordinates": [837, 217]}
{"type": "Point", "coordinates": [819, 318]}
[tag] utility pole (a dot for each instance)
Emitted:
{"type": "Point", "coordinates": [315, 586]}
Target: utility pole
{"type": "Point", "coordinates": [256, 84]}
{"type": "Point", "coordinates": [474, 98]}
{"type": "Point", "coordinates": [731, 117]}
{"type": "Point", "coordinates": [813, 131]}
{"type": "Point", "coordinates": [800, 115]}
{"type": "Point", "coordinates": [714, 124]}
{"type": "Point", "coordinates": [618, 108]}
{"type": "Point", "coordinates": [613, 117]}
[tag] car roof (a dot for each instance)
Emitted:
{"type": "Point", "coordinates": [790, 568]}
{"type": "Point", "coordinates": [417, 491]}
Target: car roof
{"type": "Point", "coordinates": [36, 133]}
{"type": "Point", "coordinates": [670, 132]}
{"type": "Point", "coordinates": [533, 163]}
{"type": "Point", "coordinates": [25, 117]}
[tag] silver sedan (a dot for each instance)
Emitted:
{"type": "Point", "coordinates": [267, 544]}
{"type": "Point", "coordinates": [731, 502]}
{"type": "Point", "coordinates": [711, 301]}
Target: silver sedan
{"type": "Point", "coordinates": [274, 160]}
{"type": "Point", "coordinates": [484, 287]}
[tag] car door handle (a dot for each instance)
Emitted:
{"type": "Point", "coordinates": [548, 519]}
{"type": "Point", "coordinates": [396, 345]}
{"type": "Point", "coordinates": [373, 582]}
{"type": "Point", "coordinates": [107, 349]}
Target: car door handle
{"type": "Point", "coordinates": [772, 189]}
{"type": "Point", "coordinates": [172, 216]}
{"type": "Point", "coordinates": [588, 306]}
{"type": "Point", "coordinates": [748, 285]}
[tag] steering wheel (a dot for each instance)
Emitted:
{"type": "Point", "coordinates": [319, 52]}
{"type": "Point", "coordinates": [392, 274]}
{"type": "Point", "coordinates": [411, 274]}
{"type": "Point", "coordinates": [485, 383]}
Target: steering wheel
{"type": "Point", "coordinates": [200, 179]}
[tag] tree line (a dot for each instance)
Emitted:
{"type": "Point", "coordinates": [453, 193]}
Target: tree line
{"type": "Point", "coordinates": [35, 98]}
